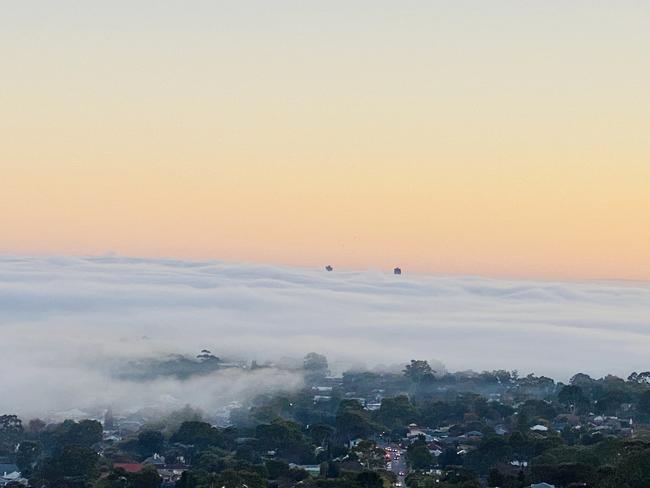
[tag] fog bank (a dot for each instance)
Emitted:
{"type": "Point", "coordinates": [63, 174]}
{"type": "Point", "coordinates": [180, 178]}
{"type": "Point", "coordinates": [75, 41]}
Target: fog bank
{"type": "Point", "coordinates": [64, 322]}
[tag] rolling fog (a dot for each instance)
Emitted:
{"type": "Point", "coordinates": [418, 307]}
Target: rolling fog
{"type": "Point", "coordinates": [67, 323]}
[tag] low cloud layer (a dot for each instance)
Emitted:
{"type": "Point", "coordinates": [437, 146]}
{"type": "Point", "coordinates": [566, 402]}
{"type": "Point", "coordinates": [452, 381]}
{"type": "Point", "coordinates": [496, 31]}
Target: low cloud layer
{"type": "Point", "coordinates": [64, 322]}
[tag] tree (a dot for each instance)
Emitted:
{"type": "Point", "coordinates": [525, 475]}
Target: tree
{"type": "Point", "coordinates": [213, 460]}
{"type": "Point", "coordinates": [212, 479]}
{"type": "Point", "coordinates": [459, 478]}
{"type": "Point", "coordinates": [396, 411]}
{"type": "Point", "coordinates": [369, 479]}
{"type": "Point", "coordinates": [611, 401]}
{"type": "Point", "coordinates": [438, 412]}
{"type": "Point", "coordinates": [72, 463]}
{"type": "Point", "coordinates": [351, 424]}
{"type": "Point", "coordinates": [495, 478]}
{"type": "Point", "coordinates": [285, 437]}
{"type": "Point", "coordinates": [581, 379]}
{"type": "Point", "coordinates": [36, 426]}
{"type": "Point", "coordinates": [418, 454]}
{"type": "Point", "coordinates": [419, 480]}
{"type": "Point", "coordinates": [279, 433]}
{"type": "Point", "coordinates": [150, 442]}
{"type": "Point", "coordinates": [538, 408]}
{"type": "Point", "coordinates": [370, 456]}
{"type": "Point", "coordinates": [11, 430]}
{"type": "Point", "coordinates": [320, 433]}
{"type": "Point", "coordinates": [147, 478]}
{"type": "Point", "coordinates": [449, 457]}
{"type": "Point", "coordinates": [189, 479]}
{"type": "Point", "coordinates": [85, 433]}
{"type": "Point", "coordinates": [572, 395]}
{"type": "Point", "coordinates": [420, 457]}
{"type": "Point", "coordinates": [491, 450]}
{"type": "Point", "coordinates": [644, 403]}
{"type": "Point", "coordinates": [634, 469]}
{"type": "Point", "coordinates": [642, 378]}
{"type": "Point", "coordinates": [237, 479]}
{"type": "Point", "coordinates": [277, 469]}
{"type": "Point", "coordinates": [27, 455]}
{"type": "Point", "coordinates": [418, 370]}
{"type": "Point", "coordinates": [199, 434]}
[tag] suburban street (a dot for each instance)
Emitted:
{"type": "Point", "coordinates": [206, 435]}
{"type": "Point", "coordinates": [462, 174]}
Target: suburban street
{"type": "Point", "coordinates": [398, 462]}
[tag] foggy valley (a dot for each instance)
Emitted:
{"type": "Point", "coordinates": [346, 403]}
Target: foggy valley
{"type": "Point", "coordinates": [71, 325]}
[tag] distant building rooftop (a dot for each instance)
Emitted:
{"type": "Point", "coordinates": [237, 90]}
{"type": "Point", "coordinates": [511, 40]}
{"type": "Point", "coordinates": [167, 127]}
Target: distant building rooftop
{"type": "Point", "coordinates": [129, 467]}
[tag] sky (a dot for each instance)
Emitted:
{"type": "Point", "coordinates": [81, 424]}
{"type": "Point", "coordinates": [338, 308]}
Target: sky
{"type": "Point", "coordinates": [67, 323]}
{"type": "Point", "coordinates": [502, 138]}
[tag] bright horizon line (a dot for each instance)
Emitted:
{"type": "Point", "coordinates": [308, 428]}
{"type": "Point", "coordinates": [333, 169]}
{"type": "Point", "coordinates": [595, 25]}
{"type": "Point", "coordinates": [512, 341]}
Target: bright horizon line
{"type": "Point", "coordinates": [385, 270]}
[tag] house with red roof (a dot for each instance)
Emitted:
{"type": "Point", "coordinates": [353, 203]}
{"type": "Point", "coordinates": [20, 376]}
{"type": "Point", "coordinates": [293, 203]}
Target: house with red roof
{"type": "Point", "coordinates": [129, 467]}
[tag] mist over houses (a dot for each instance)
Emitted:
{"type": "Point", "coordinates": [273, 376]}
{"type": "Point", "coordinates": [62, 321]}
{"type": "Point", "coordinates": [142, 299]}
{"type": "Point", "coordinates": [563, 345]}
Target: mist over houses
{"type": "Point", "coordinates": [415, 427]}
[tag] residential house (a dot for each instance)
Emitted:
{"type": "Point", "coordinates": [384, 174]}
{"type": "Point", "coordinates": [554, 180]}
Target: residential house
{"type": "Point", "coordinates": [9, 474]}
{"type": "Point", "coordinates": [171, 473]}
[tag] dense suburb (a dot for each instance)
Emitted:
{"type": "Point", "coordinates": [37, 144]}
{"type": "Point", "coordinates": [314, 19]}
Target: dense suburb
{"type": "Point", "coordinates": [417, 428]}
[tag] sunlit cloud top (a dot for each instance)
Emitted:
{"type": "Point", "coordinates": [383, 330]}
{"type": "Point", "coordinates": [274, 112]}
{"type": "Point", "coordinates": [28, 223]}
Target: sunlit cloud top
{"type": "Point", "coordinates": [65, 320]}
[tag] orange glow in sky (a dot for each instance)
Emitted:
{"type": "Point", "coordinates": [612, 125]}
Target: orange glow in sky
{"type": "Point", "coordinates": [495, 138]}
